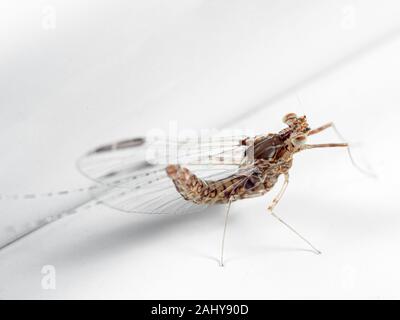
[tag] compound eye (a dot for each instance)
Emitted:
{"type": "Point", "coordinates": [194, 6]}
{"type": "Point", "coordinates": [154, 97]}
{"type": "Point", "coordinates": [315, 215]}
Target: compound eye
{"type": "Point", "coordinates": [289, 118]}
{"type": "Point", "coordinates": [299, 140]}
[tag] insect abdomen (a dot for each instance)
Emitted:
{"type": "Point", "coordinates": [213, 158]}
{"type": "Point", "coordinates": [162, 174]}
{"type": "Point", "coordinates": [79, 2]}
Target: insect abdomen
{"type": "Point", "coordinates": [195, 189]}
{"type": "Point", "coordinates": [224, 190]}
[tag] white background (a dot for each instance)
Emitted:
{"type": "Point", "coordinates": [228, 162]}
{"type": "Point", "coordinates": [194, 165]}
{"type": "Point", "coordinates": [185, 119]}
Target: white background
{"type": "Point", "coordinates": [81, 73]}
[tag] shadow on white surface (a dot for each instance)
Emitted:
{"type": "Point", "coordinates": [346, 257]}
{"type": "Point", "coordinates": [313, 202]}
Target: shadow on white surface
{"type": "Point", "coordinates": [193, 67]}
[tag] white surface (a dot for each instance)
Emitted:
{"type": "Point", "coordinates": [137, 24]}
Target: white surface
{"type": "Point", "coordinates": [108, 72]}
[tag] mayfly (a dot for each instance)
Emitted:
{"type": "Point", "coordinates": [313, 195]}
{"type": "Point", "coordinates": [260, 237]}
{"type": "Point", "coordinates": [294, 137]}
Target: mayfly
{"type": "Point", "coordinates": [202, 172]}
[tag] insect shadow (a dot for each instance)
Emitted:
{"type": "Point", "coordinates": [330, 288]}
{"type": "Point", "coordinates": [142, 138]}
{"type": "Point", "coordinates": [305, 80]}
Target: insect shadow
{"type": "Point", "coordinates": [142, 229]}
{"type": "Point", "coordinates": [125, 237]}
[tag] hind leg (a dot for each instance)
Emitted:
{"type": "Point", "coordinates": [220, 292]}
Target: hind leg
{"type": "Point", "coordinates": [221, 263]}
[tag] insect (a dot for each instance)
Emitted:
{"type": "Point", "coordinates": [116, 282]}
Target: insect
{"type": "Point", "coordinates": [200, 173]}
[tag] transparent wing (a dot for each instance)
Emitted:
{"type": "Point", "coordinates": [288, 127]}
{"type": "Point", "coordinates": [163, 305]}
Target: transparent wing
{"type": "Point", "coordinates": [128, 156]}
{"type": "Point", "coordinates": [134, 177]}
{"type": "Point", "coordinates": [152, 191]}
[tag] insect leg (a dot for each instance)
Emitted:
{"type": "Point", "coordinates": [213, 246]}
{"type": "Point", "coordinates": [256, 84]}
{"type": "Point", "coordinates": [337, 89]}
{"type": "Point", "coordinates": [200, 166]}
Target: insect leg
{"type": "Point", "coordinates": [332, 125]}
{"type": "Point", "coordinates": [275, 202]}
{"type": "Point", "coordinates": [279, 195]}
{"type": "Point", "coordinates": [223, 235]}
{"type": "Point", "coordinates": [322, 128]}
{"type": "Point", "coordinates": [325, 145]}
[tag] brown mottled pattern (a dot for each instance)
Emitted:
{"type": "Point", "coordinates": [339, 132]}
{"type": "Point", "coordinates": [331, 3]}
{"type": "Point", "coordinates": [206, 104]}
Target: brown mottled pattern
{"type": "Point", "coordinates": [269, 155]}
{"type": "Point", "coordinates": [235, 187]}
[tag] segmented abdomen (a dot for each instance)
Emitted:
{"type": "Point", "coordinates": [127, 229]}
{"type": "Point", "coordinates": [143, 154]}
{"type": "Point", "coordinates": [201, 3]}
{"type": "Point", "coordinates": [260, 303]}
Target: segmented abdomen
{"type": "Point", "coordinates": [234, 187]}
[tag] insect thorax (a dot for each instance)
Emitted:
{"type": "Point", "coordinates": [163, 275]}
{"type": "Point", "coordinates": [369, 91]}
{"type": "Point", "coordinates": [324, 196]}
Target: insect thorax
{"type": "Point", "coordinates": [266, 158]}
